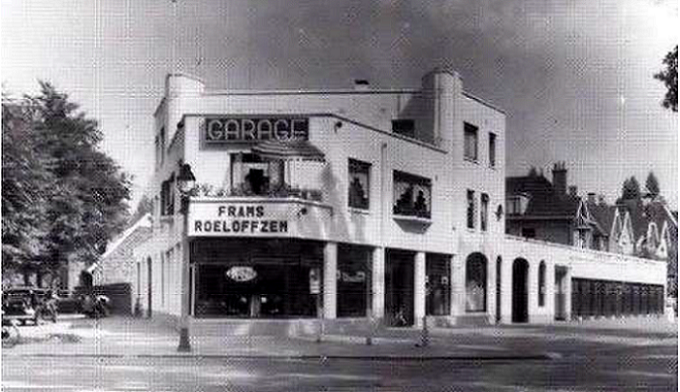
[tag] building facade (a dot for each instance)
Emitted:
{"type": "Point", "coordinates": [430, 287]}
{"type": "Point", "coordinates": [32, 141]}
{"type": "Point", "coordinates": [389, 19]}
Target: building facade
{"type": "Point", "coordinates": [355, 204]}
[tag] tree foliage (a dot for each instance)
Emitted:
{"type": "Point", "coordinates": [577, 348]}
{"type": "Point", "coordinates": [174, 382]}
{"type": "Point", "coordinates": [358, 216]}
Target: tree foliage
{"type": "Point", "coordinates": [652, 185]}
{"type": "Point", "coordinates": [73, 194]}
{"type": "Point", "coordinates": [669, 76]}
{"type": "Point", "coordinates": [630, 190]}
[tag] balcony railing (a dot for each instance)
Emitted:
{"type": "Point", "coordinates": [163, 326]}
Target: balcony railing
{"type": "Point", "coordinates": [274, 192]}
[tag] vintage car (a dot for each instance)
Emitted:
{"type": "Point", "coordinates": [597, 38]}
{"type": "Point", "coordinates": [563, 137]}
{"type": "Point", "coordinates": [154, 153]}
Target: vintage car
{"type": "Point", "coordinates": [28, 304]}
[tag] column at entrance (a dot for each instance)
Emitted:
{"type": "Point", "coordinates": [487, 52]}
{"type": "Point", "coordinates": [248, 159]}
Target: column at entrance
{"type": "Point", "coordinates": [378, 282]}
{"type": "Point", "coordinates": [330, 280]}
{"type": "Point", "coordinates": [419, 289]}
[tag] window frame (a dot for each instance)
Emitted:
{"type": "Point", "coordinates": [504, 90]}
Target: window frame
{"type": "Point", "coordinates": [484, 212]}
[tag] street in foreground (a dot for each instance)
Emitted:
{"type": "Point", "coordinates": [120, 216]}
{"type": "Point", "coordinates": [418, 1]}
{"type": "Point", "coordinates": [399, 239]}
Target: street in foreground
{"type": "Point", "coordinates": [580, 362]}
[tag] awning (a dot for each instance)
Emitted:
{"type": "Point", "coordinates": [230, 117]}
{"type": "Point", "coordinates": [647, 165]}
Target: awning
{"type": "Point", "coordinates": [296, 149]}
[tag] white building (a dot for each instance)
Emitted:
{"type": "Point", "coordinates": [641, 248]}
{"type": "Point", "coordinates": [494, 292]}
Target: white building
{"type": "Point", "coordinates": [351, 203]}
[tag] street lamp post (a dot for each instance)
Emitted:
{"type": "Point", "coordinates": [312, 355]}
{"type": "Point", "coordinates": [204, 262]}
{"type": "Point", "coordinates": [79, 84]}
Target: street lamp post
{"type": "Point", "coordinates": [185, 184]}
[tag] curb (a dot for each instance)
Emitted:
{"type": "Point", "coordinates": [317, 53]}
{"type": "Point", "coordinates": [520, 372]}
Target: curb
{"type": "Point", "coordinates": [319, 357]}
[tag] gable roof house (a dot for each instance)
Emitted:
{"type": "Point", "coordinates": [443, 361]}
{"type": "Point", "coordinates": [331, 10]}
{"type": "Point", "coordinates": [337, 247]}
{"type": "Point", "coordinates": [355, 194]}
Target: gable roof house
{"type": "Point", "coordinates": [541, 209]}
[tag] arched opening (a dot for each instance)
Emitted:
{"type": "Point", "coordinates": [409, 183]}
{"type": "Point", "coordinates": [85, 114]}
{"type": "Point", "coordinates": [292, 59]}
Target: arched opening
{"type": "Point", "coordinates": [541, 284]}
{"type": "Point", "coordinates": [520, 291]}
{"type": "Point", "coordinates": [475, 283]}
{"type": "Point", "coordinates": [499, 265]}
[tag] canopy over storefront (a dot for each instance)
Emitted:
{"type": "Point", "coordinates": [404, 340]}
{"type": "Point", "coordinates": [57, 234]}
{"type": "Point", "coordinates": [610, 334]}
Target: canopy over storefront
{"type": "Point", "coordinates": [288, 150]}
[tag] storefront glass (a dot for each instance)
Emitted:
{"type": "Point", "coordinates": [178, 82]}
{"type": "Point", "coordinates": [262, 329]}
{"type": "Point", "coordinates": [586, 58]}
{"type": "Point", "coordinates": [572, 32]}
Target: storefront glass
{"type": "Point", "coordinates": [258, 279]}
{"type": "Point", "coordinates": [354, 276]}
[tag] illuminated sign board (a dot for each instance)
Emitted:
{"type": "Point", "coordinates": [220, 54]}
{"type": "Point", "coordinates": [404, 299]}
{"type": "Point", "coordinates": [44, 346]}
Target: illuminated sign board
{"type": "Point", "coordinates": [253, 129]}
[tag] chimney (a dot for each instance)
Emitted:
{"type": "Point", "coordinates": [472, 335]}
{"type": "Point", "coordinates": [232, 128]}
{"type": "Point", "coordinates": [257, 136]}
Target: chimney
{"type": "Point", "coordinates": [573, 190]}
{"type": "Point", "coordinates": [360, 85]}
{"type": "Point", "coordinates": [560, 178]}
{"type": "Point", "coordinates": [591, 197]}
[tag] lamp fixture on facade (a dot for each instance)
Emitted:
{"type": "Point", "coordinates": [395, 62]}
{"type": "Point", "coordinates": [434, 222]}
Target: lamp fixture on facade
{"type": "Point", "coordinates": [186, 181]}
{"type": "Point", "coordinates": [499, 212]}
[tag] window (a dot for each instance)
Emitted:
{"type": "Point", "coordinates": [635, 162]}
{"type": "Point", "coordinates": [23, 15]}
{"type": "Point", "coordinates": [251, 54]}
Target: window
{"type": "Point", "coordinates": [162, 145]}
{"type": "Point", "coordinates": [484, 212]}
{"type": "Point", "coordinates": [471, 142]}
{"type": "Point", "coordinates": [541, 284]}
{"type": "Point", "coordinates": [168, 196]}
{"type": "Point", "coordinates": [513, 205]}
{"type": "Point", "coordinates": [529, 233]}
{"type": "Point", "coordinates": [412, 195]}
{"type": "Point", "coordinates": [492, 150]}
{"type": "Point", "coordinates": [252, 175]}
{"type": "Point", "coordinates": [404, 127]}
{"type": "Point", "coordinates": [359, 185]}
{"type": "Point", "coordinates": [354, 280]}
{"type": "Point", "coordinates": [475, 283]}
{"type": "Point", "coordinates": [470, 209]}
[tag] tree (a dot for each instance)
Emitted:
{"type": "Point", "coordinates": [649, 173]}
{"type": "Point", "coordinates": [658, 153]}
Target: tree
{"type": "Point", "coordinates": [631, 189]}
{"type": "Point", "coordinates": [652, 185]}
{"type": "Point", "coordinates": [84, 193]}
{"type": "Point", "coordinates": [25, 189]}
{"type": "Point", "coordinates": [669, 76]}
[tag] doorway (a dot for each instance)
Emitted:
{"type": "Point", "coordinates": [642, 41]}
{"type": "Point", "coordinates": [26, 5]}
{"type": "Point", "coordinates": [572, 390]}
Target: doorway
{"type": "Point", "coordinates": [560, 293]}
{"type": "Point", "coordinates": [499, 265]}
{"type": "Point", "coordinates": [399, 288]}
{"type": "Point", "coordinates": [520, 291]}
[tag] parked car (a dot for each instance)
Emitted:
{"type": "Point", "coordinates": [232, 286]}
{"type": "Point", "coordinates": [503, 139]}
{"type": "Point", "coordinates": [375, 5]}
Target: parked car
{"type": "Point", "coordinates": [32, 304]}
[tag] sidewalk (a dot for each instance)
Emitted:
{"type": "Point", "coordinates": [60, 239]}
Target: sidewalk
{"type": "Point", "coordinates": [119, 336]}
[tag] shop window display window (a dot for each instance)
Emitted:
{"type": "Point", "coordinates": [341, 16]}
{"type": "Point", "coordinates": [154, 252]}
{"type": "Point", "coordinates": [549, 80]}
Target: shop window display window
{"type": "Point", "coordinates": [475, 283]}
{"type": "Point", "coordinates": [359, 185]}
{"type": "Point", "coordinates": [412, 195]}
{"type": "Point", "coordinates": [354, 280]}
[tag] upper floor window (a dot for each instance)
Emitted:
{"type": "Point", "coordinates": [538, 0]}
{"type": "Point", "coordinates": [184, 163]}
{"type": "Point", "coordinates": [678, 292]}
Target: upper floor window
{"type": "Point", "coordinates": [492, 150]}
{"type": "Point", "coordinates": [484, 212]}
{"type": "Point", "coordinates": [162, 145]}
{"type": "Point", "coordinates": [405, 127]}
{"type": "Point", "coordinates": [412, 195]}
{"type": "Point", "coordinates": [471, 151]}
{"type": "Point", "coordinates": [470, 209]}
{"type": "Point", "coordinates": [252, 175]}
{"type": "Point", "coordinates": [513, 205]}
{"type": "Point", "coordinates": [168, 196]}
{"type": "Point", "coordinates": [359, 177]}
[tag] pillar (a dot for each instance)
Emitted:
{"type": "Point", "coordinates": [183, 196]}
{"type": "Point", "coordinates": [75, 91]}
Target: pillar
{"type": "Point", "coordinates": [330, 280]}
{"type": "Point", "coordinates": [378, 282]}
{"type": "Point", "coordinates": [567, 293]}
{"type": "Point", "coordinates": [532, 303]}
{"type": "Point", "coordinates": [419, 289]}
{"type": "Point", "coordinates": [457, 282]}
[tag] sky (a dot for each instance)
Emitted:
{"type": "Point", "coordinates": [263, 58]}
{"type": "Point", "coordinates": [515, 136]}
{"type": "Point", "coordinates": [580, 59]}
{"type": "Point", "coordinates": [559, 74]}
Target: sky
{"type": "Point", "coordinates": [574, 77]}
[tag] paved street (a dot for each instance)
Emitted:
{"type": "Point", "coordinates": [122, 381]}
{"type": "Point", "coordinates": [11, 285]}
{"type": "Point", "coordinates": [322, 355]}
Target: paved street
{"type": "Point", "coordinates": [594, 356]}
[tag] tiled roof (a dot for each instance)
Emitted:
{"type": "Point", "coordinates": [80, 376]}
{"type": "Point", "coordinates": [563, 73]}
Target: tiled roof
{"type": "Point", "coordinates": [604, 215]}
{"type": "Point", "coordinates": [543, 200]}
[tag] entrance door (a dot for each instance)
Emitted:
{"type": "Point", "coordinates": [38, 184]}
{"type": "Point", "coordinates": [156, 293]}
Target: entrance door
{"type": "Point", "coordinates": [560, 294]}
{"type": "Point", "coordinates": [399, 288]}
{"type": "Point", "coordinates": [520, 291]}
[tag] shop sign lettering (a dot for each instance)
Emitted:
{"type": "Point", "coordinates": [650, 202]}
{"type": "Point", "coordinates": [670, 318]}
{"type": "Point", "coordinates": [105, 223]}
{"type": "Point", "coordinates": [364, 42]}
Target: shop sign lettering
{"type": "Point", "coordinates": [242, 129]}
{"type": "Point", "coordinates": [241, 273]}
{"type": "Point", "coordinates": [244, 219]}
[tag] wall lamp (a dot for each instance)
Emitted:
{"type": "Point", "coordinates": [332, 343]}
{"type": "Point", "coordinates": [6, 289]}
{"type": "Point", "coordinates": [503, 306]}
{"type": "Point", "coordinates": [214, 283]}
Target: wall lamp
{"type": "Point", "coordinates": [186, 181]}
{"type": "Point", "coordinates": [337, 125]}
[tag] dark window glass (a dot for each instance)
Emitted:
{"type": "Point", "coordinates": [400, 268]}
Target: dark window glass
{"type": "Point", "coordinates": [470, 209]}
{"type": "Point", "coordinates": [471, 142]}
{"type": "Point", "coordinates": [484, 212]}
{"type": "Point", "coordinates": [412, 195]}
{"type": "Point", "coordinates": [529, 233]}
{"type": "Point", "coordinates": [404, 127]}
{"type": "Point", "coordinates": [359, 184]}
{"type": "Point", "coordinates": [354, 280]}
